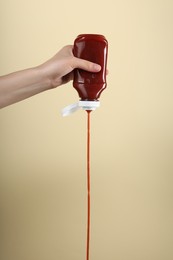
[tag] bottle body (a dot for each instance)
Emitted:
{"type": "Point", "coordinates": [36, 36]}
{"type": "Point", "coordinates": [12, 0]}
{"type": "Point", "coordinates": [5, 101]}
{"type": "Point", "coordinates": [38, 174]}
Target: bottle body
{"type": "Point", "coordinates": [94, 48]}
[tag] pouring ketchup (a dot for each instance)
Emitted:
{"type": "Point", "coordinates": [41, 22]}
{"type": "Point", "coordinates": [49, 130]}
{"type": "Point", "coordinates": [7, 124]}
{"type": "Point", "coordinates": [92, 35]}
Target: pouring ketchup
{"type": "Point", "coordinates": [94, 48]}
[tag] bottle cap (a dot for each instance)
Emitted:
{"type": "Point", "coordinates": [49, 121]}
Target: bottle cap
{"type": "Point", "coordinates": [85, 105]}
{"type": "Point", "coordinates": [89, 105]}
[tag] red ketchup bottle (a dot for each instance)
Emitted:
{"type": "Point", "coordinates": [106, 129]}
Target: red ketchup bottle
{"type": "Point", "coordinates": [89, 85]}
{"type": "Point", "coordinates": [94, 48]}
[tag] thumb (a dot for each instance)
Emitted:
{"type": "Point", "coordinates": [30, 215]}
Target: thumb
{"type": "Point", "coordinates": [85, 65]}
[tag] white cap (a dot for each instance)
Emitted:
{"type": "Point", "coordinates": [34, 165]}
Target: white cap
{"type": "Point", "coordinates": [85, 105]}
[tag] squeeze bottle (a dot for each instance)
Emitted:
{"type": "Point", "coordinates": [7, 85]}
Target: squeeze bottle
{"type": "Point", "coordinates": [89, 85]}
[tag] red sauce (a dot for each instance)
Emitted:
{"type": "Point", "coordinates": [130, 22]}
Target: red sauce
{"type": "Point", "coordinates": [88, 185]}
{"type": "Point", "coordinates": [92, 47]}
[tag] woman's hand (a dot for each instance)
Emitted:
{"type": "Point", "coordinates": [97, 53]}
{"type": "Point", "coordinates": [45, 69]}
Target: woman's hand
{"type": "Point", "coordinates": [59, 69]}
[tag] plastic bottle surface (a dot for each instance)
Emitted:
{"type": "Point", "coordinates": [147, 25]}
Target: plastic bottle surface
{"type": "Point", "coordinates": [92, 47]}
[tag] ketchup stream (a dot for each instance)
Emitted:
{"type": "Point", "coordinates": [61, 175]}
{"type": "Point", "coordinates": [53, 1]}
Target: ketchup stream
{"type": "Point", "coordinates": [94, 48]}
{"type": "Point", "coordinates": [88, 185]}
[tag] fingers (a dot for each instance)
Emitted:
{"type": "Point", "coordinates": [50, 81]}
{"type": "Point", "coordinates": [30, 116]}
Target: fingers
{"type": "Point", "coordinates": [85, 65]}
{"type": "Point", "coordinates": [79, 63]}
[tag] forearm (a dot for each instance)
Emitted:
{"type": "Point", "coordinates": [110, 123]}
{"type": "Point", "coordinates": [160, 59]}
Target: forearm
{"type": "Point", "coordinates": [52, 73]}
{"type": "Point", "coordinates": [21, 85]}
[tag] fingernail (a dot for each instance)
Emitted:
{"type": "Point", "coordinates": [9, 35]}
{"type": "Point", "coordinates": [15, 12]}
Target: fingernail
{"type": "Point", "coordinates": [97, 67]}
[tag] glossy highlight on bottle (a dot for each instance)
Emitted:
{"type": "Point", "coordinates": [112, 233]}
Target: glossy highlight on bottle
{"type": "Point", "coordinates": [94, 48]}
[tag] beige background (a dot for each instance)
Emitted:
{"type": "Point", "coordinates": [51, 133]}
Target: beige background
{"type": "Point", "coordinates": [42, 155]}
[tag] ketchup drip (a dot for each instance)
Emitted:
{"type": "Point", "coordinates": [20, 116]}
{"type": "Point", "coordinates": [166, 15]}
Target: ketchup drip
{"type": "Point", "coordinates": [88, 185]}
{"type": "Point", "coordinates": [94, 48]}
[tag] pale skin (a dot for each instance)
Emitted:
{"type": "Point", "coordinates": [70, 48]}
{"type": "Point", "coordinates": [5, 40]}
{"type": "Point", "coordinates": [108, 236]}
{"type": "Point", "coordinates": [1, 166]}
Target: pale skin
{"type": "Point", "coordinates": [56, 71]}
